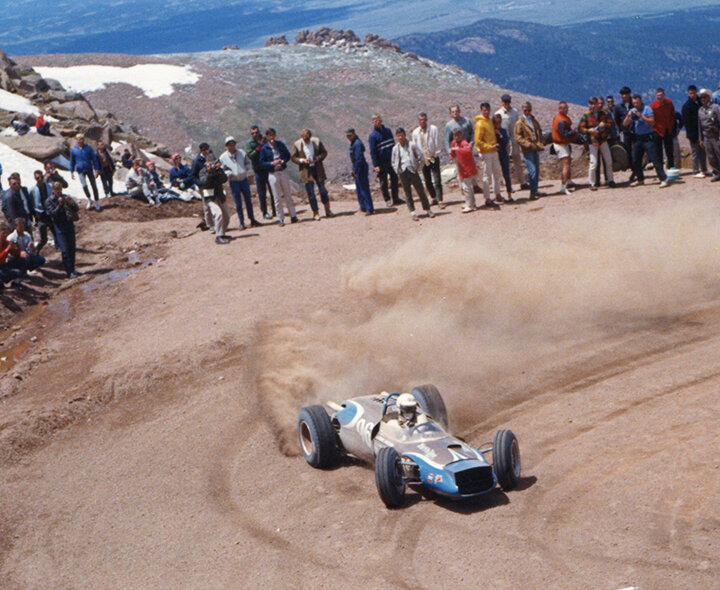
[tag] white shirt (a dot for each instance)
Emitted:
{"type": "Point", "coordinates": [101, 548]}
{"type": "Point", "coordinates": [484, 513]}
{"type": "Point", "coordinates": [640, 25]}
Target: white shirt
{"type": "Point", "coordinates": [309, 150]}
{"type": "Point", "coordinates": [23, 241]}
{"type": "Point", "coordinates": [509, 118]}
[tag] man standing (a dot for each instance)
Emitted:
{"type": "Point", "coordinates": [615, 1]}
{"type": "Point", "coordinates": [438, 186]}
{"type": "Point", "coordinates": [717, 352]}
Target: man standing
{"type": "Point", "coordinates": [308, 153]}
{"type": "Point", "coordinates": [83, 160]}
{"type": "Point", "coordinates": [106, 168]}
{"type": "Point", "coordinates": [487, 146]}
{"type": "Point", "coordinates": [620, 111]}
{"type": "Point", "coordinates": [510, 117]}
{"type": "Point", "coordinates": [458, 122]}
{"type": "Point", "coordinates": [462, 152]}
{"type": "Point", "coordinates": [274, 157]}
{"type": "Point", "coordinates": [595, 125]}
{"type": "Point", "coordinates": [708, 130]}
{"type": "Point", "coordinates": [212, 179]}
{"type": "Point", "coordinates": [690, 120]}
{"type": "Point", "coordinates": [381, 146]}
{"type": "Point", "coordinates": [407, 161]}
{"type": "Point", "coordinates": [360, 172]}
{"type": "Point", "coordinates": [563, 137]}
{"type": "Point", "coordinates": [642, 118]}
{"type": "Point", "coordinates": [237, 165]}
{"type": "Point", "coordinates": [63, 211]}
{"type": "Point", "coordinates": [664, 113]}
{"type": "Point", "coordinates": [427, 138]}
{"type": "Point", "coordinates": [529, 136]}
{"type": "Point", "coordinates": [253, 147]}
{"type": "Point", "coordinates": [40, 194]}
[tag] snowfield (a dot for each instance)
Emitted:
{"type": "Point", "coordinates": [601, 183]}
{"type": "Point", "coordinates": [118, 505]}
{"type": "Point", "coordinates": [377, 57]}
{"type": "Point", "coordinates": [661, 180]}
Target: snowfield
{"type": "Point", "coordinates": [153, 79]}
{"type": "Point", "coordinates": [16, 103]}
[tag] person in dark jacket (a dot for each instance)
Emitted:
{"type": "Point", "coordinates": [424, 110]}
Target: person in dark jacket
{"type": "Point", "coordinates": [262, 185]}
{"type": "Point", "coordinates": [213, 179]}
{"type": "Point", "coordinates": [381, 144]}
{"type": "Point", "coordinates": [360, 172]}
{"type": "Point", "coordinates": [503, 143]}
{"type": "Point", "coordinates": [52, 175]}
{"type": "Point", "coordinates": [274, 157]}
{"type": "Point", "coordinates": [126, 159]}
{"type": "Point", "coordinates": [199, 162]}
{"type": "Point", "coordinates": [40, 194]}
{"type": "Point", "coordinates": [63, 211]}
{"type": "Point", "coordinates": [106, 168]}
{"type": "Point", "coordinates": [620, 111]}
{"type": "Point", "coordinates": [690, 121]}
{"type": "Point", "coordinates": [16, 202]}
{"type": "Point", "coordinates": [83, 160]}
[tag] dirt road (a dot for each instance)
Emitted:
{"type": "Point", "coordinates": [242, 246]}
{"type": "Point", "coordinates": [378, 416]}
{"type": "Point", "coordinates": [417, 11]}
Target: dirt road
{"type": "Point", "coordinates": [150, 441]}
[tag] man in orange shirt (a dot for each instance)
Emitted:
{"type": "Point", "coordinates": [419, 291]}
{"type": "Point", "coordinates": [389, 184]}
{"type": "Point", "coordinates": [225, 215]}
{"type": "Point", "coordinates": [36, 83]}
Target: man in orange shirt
{"type": "Point", "coordinates": [563, 137]}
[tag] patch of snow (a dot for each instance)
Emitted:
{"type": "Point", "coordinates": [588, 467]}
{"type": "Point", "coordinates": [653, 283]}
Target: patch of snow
{"type": "Point", "coordinates": [153, 79]}
{"type": "Point", "coordinates": [13, 161]}
{"type": "Point", "coordinates": [17, 103]}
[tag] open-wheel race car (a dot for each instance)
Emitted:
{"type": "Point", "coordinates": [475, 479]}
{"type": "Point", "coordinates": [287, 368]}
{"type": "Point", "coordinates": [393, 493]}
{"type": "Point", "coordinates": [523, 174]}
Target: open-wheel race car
{"type": "Point", "coordinates": [406, 436]}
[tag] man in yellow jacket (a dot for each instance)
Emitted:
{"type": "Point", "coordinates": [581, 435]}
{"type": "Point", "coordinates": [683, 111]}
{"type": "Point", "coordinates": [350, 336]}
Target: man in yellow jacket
{"type": "Point", "coordinates": [487, 146]}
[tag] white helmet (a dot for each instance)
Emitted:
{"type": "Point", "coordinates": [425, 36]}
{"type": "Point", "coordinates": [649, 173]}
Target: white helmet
{"type": "Point", "coordinates": [407, 406]}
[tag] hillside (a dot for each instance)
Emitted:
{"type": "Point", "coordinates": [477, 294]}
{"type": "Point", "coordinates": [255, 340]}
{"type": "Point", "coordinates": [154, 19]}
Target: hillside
{"type": "Point", "coordinates": [576, 61]}
{"type": "Point", "coordinates": [327, 89]}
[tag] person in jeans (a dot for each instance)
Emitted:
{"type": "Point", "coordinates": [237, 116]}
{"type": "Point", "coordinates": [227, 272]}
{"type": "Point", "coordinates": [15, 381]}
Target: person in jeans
{"type": "Point", "coordinates": [664, 115]}
{"type": "Point", "coordinates": [83, 160]}
{"type": "Point", "coordinates": [595, 125]}
{"type": "Point", "coordinates": [63, 212]}
{"type": "Point", "coordinates": [40, 194]}
{"type": "Point", "coordinates": [510, 117]}
{"type": "Point", "coordinates": [529, 136]}
{"type": "Point", "coordinates": [381, 144]}
{"type": "Point", "coordinates": [262, 185]}
{"type": "Point", "coordinates": [308, 153]}
{"type": "Point", "coordinates": [427, 138]}
{"type": "Point", "coordinates": [237, 165]}
{"type": "Point", "coordinates": [461, 150]}
{"type": "Point", "coordinates": [620, 111]}
{"type": "Point", "coordinates": [690, 121]}
{"type": "Point", "coordinates": [708, 129]}
{"type": "Point", "coordinates": [274, 157]}
{"type": "Point", "coordinates": [360, 171]}
{"type": "Point", "coordinates": [407, 162]}
{"type": "Point", "coordinates": [503, 141]}
{"type": "Point", "coordinates": [642, 120]}
{"type": "Point", "coordinates": [107, 168]}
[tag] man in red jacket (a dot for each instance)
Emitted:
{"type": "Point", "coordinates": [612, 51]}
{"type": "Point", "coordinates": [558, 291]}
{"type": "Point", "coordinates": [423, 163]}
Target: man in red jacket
{"type": "Point", "coordinates": [664, 123]}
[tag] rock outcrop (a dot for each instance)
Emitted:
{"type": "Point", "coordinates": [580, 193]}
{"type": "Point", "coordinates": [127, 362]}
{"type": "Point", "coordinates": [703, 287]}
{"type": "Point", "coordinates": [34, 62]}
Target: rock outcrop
{"type": "Point", "coordinates": [279, 40]}
{"type": "Point", "coordinates": [348, 40]}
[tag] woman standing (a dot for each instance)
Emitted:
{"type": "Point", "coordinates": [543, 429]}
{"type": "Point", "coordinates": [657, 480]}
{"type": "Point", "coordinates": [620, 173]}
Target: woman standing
{"type": "Point", "coordinates": [63, 211]}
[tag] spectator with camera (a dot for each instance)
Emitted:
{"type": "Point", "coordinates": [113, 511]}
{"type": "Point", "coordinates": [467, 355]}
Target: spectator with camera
{"type": "Point", "coordinates": [274, 157]}
{"type": "Point", "coordinates": [212, 180]}
{"type": "Point", "coordinates": [642, 120]}
{"type": "Point", "coordinates": [63, 211]}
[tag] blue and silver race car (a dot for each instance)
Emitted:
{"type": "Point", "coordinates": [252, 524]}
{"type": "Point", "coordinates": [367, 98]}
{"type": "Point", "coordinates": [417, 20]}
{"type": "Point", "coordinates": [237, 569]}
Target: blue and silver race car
{"type": "Point", "coordinates": [408, 448]}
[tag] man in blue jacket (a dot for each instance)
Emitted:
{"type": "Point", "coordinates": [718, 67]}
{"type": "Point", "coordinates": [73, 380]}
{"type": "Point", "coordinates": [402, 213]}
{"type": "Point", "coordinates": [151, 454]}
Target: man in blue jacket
{"type": "Point", "coordinates": [274, 157]}
{"type": "Point", "coordinates": [360, 172]}
{"type": "Point", "coordinates": [381, 143]}
{"type": "Point", "coordinates": [83, 160]}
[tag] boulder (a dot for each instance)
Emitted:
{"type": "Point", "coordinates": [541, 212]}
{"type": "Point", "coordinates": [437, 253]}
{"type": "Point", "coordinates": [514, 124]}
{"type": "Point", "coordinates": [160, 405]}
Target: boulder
{"type": "Point", "coordinates": [6, 82]}
{"type": "Point", "coordinates": [65, 95]}
{"type": "Point", "coordinates": [75, 108]}
{"type": "Point", "coordinates": [53, 84]}
{"type": "Point", "coordinates": [38, 147]}
{"type": "Point", "coordinates": [99, 133]}
{"type": "Point", "coordinates": [34, 82]}
{"type": "Point", "coordinates": [279, 40]}
{"type": "Point", "coordinates": [159, 150]}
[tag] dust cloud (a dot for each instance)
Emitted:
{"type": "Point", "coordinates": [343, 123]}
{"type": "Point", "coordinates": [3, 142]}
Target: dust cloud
{"type": "Point", "coordinates": [474, 315]}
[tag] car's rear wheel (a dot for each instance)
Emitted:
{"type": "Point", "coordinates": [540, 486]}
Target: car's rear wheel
{"type": "Point", "coordinates": [506, 459]}
{"type": "Point", "coordinates": [432, 403]}
{"type": "Point", "coordinates": [317, 437]}
{"type": "Point", "coordinates": [389, 477]}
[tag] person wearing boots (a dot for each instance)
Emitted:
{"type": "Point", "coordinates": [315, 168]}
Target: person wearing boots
{"type": "Point", "coordinates": [84, 161]}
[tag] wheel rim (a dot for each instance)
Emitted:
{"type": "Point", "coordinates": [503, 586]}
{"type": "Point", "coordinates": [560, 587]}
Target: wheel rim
{"type": "Point", "coordinates": [397, 476]}
{"type": "Point", "coordinates": [515, 454]}
{"type": "Point", "coordinates": [306, 439]}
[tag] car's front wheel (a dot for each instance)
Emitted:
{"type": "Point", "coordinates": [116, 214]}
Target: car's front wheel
{"type": "Point", "coordinates": [506, 459]}
{"type": "Point", "coordinates": [317, 437]}
{"type": "Point", "coordinates": [389, 477]}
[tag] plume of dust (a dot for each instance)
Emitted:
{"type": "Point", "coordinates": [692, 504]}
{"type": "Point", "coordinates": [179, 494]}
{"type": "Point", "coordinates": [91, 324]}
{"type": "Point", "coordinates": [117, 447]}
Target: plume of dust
{"type": "Point", "coordinates": [469, 312]}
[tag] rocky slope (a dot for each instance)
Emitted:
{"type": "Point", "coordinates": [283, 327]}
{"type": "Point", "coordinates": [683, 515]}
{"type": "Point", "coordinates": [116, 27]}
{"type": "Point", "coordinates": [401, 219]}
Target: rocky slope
{"type": "Point", "coordinates": [328, 82]}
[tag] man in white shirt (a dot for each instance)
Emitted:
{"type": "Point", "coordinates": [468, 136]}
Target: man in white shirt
{"type": "Point", "coordinates": [237, 166]}
{"type": "Point", "coordinates": [407, 161]}
{"type": "Point", "coordinates": [509, 117]}
{"type": "Point", "coordinates": [427, 138]}
{"type": "Point", "coordinates": [29, 258]}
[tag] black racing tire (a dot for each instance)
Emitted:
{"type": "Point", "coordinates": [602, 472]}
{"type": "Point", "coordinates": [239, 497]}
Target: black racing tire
{"type": "Point", "coordinates": [432, 403]}
{"type": "Point", "coordinates": [317, 437]}
{"type": "Point", "coordinates": [389, 478]}
{"type": "Point", "coordinates": [506, 459]}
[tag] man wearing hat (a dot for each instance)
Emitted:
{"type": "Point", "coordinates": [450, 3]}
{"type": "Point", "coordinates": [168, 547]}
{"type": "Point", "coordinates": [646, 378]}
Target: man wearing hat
{"type": "Point", "coordinates": [237, 166]}
{"type": "Point", "coordinates": [619, 112]}
{"type": "Point", "coordinates": [708, 128]}
{"type": "Point", "coordinates": [360, 172]}
{"type": "Point", "coordinates": [510, 117]}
